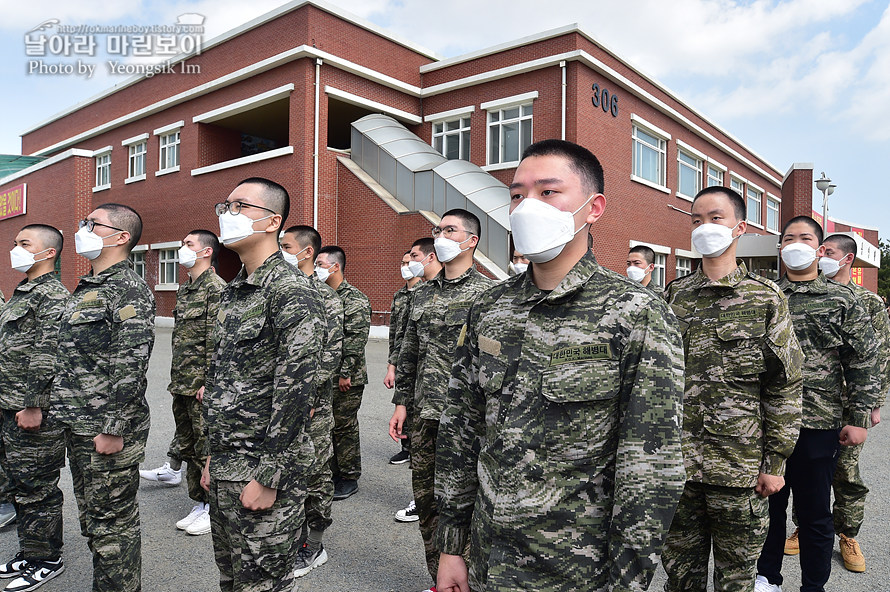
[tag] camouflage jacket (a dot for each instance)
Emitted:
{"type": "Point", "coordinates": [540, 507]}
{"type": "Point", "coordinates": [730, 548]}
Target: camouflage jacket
{"type": "Point", "coordinates": [197, 304]}
{"type": "Point", "coordinates": [559, 452]}
{"type": "Point", "coordinates": [333, 343]}
{"type": "Point", "coordinates": [105, 340]}
{"type": "Point", "coordinates": [741, 407]}
{"type": "Point", "coordinates": [356, 325]}
{"type": "Point", "coordinates": [29, 340]}
{"type": "Point", "coordinates": [262, 378]}
{"type": "Point", "coordinates": [401, 302]}
{"type": "Point", "coordinates": [438, 311]}
{"type": "Point", "coordinates": [877, 312]}
{"type": "Point", "coordinates": [839, 348]}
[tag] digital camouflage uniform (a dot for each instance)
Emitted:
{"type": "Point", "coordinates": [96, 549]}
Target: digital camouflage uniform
{"type": "Point", "coordinates": [438, 311]}
{"type": "Point", "coordinates": [29, 337]}
{"type": "Point", "coordinates": [849, 489]}
{"type": "Point", "coordinates": [320, 486]}
{"type": "Point", "coordinates": [741, 417]}
{"type": "Point", "coordinates": [197, 305]}
{"type": "Point", "coordinates": [105, 340]}
{"type": "Point", "coordinates": [398, 322]}
{"type": "Point", "coordinates": [559, 456]}
{"type": "Point", "coordinates": [840, 351]}
{"type": "Point", "coordinates": [347, 460]}
{"type": "Point", "coordinates": [260, 389]}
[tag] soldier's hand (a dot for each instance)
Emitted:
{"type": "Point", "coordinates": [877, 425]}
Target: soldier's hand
{"type": "Point", "coordinates": [389, 380]}
{"type": "Point", "coordinates": [875, 416]}
{"type": "Point", "coordinates": [29, 418]}
{"type": "Point", "coordinates": [205, 475]}
{"type": "Point", "coordinates": [345, 384]}
{"type": "Point", "coordinates": [256, 496]}
{"type": "Point", "coordinates": [768, 484]}
{"type": "Point", "coordinates": [108, 444]}
{"type": "Point", "coordinates": [852, 436]}
{"type": "Point", "coordinates": [452, 575]}
{"type": "Point", "coordinates": [397, 422]}
{"type": "Point", "coordinates": [199, 396]}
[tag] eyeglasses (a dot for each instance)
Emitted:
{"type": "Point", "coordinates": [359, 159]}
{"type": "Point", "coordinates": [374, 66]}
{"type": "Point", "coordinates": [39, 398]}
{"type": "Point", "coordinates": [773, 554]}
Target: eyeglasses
{"type": "Point", "coordinates": [448, 231]}
{"type": "Point", "coordinates": [234, 207]}
{"type": "Point", "coordinates": [90, 224]}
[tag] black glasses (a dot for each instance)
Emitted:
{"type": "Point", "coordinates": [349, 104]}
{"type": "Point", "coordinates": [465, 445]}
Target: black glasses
{"type": "Point", "coordinates": [90, 224]}
{"type": "Point", "coordinates": [234, 207]}
{"type": "Point", "coordinates": [448, 231]}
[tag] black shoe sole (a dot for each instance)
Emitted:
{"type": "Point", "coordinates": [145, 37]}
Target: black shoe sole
{"type": "Point", "coordinates": [343, 496]}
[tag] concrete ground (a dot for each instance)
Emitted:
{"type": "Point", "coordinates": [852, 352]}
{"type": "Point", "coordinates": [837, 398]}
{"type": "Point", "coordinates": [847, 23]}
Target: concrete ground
{"type": "Point", "coordinates": [368, 549]}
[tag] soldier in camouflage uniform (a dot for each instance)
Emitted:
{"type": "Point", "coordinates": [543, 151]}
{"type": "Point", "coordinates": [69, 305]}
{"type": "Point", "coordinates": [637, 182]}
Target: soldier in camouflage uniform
{"type": "Point", "coordinates": [299, 245]}
{"type": "Point", "coordinates": [258, 397]}
{"type": "Point", "coordinates": [438, 311]}
{"type": "Point", "coordinates": [559, 457]}
{"type": "Point", "coordinates": [32, 449]}
{"type": "Point", "coordinates": [741, 407]}
{"type": "Point", "coordinates": [105, 341]}
{"type": "Point", "coordinates": [840, 350]}
{"type": "Point", "coordinates": [349, 382]}
{"type": "Point", "coordinates": [641, 264]}
{"type": "Point", "coordinates": [197, 305]}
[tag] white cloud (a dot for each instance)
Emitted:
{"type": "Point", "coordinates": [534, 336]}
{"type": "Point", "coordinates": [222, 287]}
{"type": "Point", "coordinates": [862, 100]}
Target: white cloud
{"type": "Point", "coordinates": [23, 16]}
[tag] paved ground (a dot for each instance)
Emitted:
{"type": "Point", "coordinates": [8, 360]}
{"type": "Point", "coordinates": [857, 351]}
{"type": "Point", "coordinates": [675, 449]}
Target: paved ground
{"type": "Point", "coordinates": [368, 549]}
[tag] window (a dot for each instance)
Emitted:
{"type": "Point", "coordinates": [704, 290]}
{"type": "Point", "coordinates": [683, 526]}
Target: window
{"type": "Point", "coordinates": [509, 133]}
{"type": "Point", "coordinates": [737, 185]}
{"type": "Point", "coordinates": [103, 171]}
{"type": "Point", "coordinates": [648, 156]}
{"type": "Point", "coordinates": [755, 198]}
{"type": "Point", "coordinates": [168, 271]}
{"type": "Point", "coordinates": [658, 272]}
{"type": "Point", "coordinates": [452, 138]}
{"type": "Point", "coordinates": [137, 260]}
{"type": "Point", "coordinates": [715, 176]}
{"type": "Point", "coordinates": [684, 266]}
{"type": "Point", "coordinates": [688, 173]}
{"type": "Point", "coordinates": [136, 163]}
{"type": "Point", "coordinates": [169, 151]}
{"type": "Point", "coordinates": [772, 214]}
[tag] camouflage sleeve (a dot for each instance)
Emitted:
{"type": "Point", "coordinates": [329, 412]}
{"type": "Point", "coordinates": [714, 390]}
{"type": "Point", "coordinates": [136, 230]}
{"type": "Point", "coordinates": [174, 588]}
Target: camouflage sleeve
{"type": "Point", "coordinates": [406, 367]}
{"type": "Point", "coordinates": [781, 390]}
{"type": "Point", "coordinates": [132, 337]}
{"type": "Point", "coordinates": [356, 325]}
{"type": "Point", "coordinates": [859, 357]}
{"type": "Point", "coordinates": [881, 324]}
{"type": "Point", "coordinates": [396, 316]}
{"type": "Point", "coordinates": [297, 321]}
{"type": "Point", "coordinates": [649, 471]}
{"type": "Point", "coordinates": [333, 347]}
{"type": "Point", "coordinates": [213, 296]}
{"type": "Point", "coordinates": [41, 369]}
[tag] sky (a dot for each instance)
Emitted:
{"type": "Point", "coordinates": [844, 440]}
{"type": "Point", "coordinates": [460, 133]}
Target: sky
{"type": "Point", "coordinates": [794, 80]}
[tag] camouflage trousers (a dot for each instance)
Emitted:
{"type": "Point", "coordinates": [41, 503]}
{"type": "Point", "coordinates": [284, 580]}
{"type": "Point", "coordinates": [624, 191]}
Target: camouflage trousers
{"type": "Point", "coordinates": [423, 471]}
{"type": "Point", "coordinates": [32, 462]}
{"type": "Point", "coordinates": [849, 492]}
{"type": "Point", "coordinates": [347, 459]}
{"type": "Point", "coordinates": [255, 550]}
{"type": "Point", "coordinates": [105, 487]}
{"type": "Point", "coordinates": [188, 442]}
{"type": "Point", "coordinates": [732, 519]}
{"type": "Point", "coordinates": [320, 483]}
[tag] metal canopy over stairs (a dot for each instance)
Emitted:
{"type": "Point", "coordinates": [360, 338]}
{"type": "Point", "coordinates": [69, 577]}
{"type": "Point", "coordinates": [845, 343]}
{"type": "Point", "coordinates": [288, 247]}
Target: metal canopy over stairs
{"type": "Point", "coordinates": [423, 180]}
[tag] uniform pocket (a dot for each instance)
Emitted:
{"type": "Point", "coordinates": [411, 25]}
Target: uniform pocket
{"type": "Point", "coordinates": [741, 347]}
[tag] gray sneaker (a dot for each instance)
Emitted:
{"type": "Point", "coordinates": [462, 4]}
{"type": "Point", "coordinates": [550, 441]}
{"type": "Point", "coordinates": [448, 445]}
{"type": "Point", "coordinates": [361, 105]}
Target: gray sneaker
{"type": "Point", "coordinates": [7, 514]}
{"type": "Point", "coordinates": [307, 560]}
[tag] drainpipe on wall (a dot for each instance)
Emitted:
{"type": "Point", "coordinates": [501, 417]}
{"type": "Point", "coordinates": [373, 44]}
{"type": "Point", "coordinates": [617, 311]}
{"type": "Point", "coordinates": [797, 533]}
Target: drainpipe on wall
{"type": "Point", "coordinates": [562, 65]}
{"type": "Point", "coordinates": [315, 157]}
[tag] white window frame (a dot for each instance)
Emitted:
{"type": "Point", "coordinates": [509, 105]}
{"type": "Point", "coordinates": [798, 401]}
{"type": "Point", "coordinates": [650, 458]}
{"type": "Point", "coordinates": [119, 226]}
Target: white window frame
{"type": "Point", "coordinates": [462, 131]}
{"type": "Point", "coordinates": [498, 107]}
{"type": "Point", "coordinates": [717, 177]}
{"type": "Point", "coordinates": [137, 260]}
{"type": "Point", "coordinates": [772, 199]}
{"type": "Point", "coordinates": [165, 250]}
{"type": "Point", "coordinates": [169, 138]}
{"type": "Point", "coordinates": [755, 193]}
{"type": "Point", "coordinates": [637, 144]}
{"type": "Point", "coordinates": [684, 266]}
{"type": "Point", "coordinates": [102, 158]}
{"type": "Point", "coordinates": [136, 155]}
{"type": "Point", "coordinates": [734, 178]}
{"type": "Point", "coordinates": [658, 273]}
{"type": "Point", "coordinates": [691, 153]}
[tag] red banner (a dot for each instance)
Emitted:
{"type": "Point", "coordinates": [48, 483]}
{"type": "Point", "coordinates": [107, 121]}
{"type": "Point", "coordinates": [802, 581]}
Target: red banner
{"type": "Point", "coordinates": [13, 201]}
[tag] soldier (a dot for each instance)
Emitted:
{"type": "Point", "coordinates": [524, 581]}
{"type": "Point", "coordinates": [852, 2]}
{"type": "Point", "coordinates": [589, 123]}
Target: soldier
{"type": "Point", "coordinates": [197, 305]}
{"type": "Point", "coordinates": [641, 264]}
{"type": "Point", "coordinates": [741, 407]}
{"type": "Point", "coordinates": [518, 263]}
{"type": "Point", "coordinates": [105, 340]}
{"type": "Point", "coordinates": [258, 397]}
{"type": "Point", "coordinates": [352, 376]}
{"type": "Point", "coordinates": [839, 349]}
{"type": "Point", "coordinates": [558, 459]}
{"type": "Point", "coordinates": [32, 449]}
{"type": "Point", "coordinates": [299, 245]}
{"type": "Point", "coordinates": [438, 311]}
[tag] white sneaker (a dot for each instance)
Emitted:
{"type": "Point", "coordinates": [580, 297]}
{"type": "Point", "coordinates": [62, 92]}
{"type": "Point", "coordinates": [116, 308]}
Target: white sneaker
{"type": "Point", "coordinates": [163, 474]}
{"type": "Point", "coordinates": [408, 514]}
{"type": "Point", "coordinates": [201, 524]}
{"type": "Point", "coordinates": [761, 584]}
{"type": "Point", "coordinates": [188, 520]}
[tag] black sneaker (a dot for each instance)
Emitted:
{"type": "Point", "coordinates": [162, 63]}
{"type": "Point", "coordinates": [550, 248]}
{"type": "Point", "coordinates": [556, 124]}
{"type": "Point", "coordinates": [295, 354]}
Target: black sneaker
{"type": "Point", "coordinates": [400, 457]}
{"type": "Point", "coordinates": [36, 575]}
{"type": "Point", "coordinates": [10, 569]}
{"type": "Point", "coordinates": [408, 514]}
{"type": "Point", "coordinates": [308, 560]}
{"type": "Point", "coordinates": [344, 488]}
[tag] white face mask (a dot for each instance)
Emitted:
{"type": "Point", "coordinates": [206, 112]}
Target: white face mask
{"type": "Point", "coordinates": [22, 259]}
{"type": "Point", "coordinates": [89, 244]}
{"type": "Point", "coordinates": [517, 268]}
{"type": "Point", "coordinates": [417, 268]}
{"type": "Point", "coordinates": [830, 267]}
{"type": "Point", "coordinates": [407, 274]}
{"type": "Point", "coordinates": [187, 257]}
{"type": "Point", "coordinates": [236, 227]}
{"type": "Point", "coordinates": [798, 256]}
{"type": "Point", "coordinates": [447, 249]}
{"type": "Point", "coordinates": [292, 259]}
{"type": "Point", "coordinates": [322, 273]}
{"type": "Point", "coordinates": [712, 240]}
{"type": "Point", "coordinates": [637, 274]}
{"type": "Point", "coordinates": [541, 231]}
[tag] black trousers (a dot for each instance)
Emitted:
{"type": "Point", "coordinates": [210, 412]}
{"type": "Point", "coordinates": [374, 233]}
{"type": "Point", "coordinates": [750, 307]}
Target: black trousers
{"type": "Point", "coordinates": [808, 476]}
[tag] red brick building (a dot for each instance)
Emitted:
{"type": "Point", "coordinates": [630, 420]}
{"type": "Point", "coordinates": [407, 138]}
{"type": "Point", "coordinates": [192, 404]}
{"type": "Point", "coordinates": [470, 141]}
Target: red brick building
{"type": "Point", "coordinates": [277, 98]}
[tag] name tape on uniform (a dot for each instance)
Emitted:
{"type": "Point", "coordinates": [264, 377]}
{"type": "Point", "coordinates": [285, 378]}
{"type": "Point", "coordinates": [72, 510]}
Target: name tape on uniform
{"type": "Point", "coordinates": [739, 315]}
{"type": "Point", "coordinates": [581, 353]}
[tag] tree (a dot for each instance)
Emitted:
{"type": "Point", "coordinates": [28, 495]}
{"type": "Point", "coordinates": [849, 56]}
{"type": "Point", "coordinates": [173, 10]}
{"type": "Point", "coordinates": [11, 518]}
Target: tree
{"type": "Point", "coordinates": [884, 271]}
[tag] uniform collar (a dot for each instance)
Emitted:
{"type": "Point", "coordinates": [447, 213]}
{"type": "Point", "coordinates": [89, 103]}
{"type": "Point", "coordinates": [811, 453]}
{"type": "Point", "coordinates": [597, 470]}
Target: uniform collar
{"type": "Point", "coordinates": [259, 274]}
{"type": "Point", "coordinates": [441, 279]}
{"type": "Point", "coordinates": [103, 275]}
{"type": "Point", "coordinates": [195, 284]}
{"type": "Point", "coordinates": [583, 271]}
{"type": "Point", "coordinates": [730, 280]}
{"type": "Point", "coordinates": [27, 285]}
{"type": "Point", "coordinates": [816, 286]}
